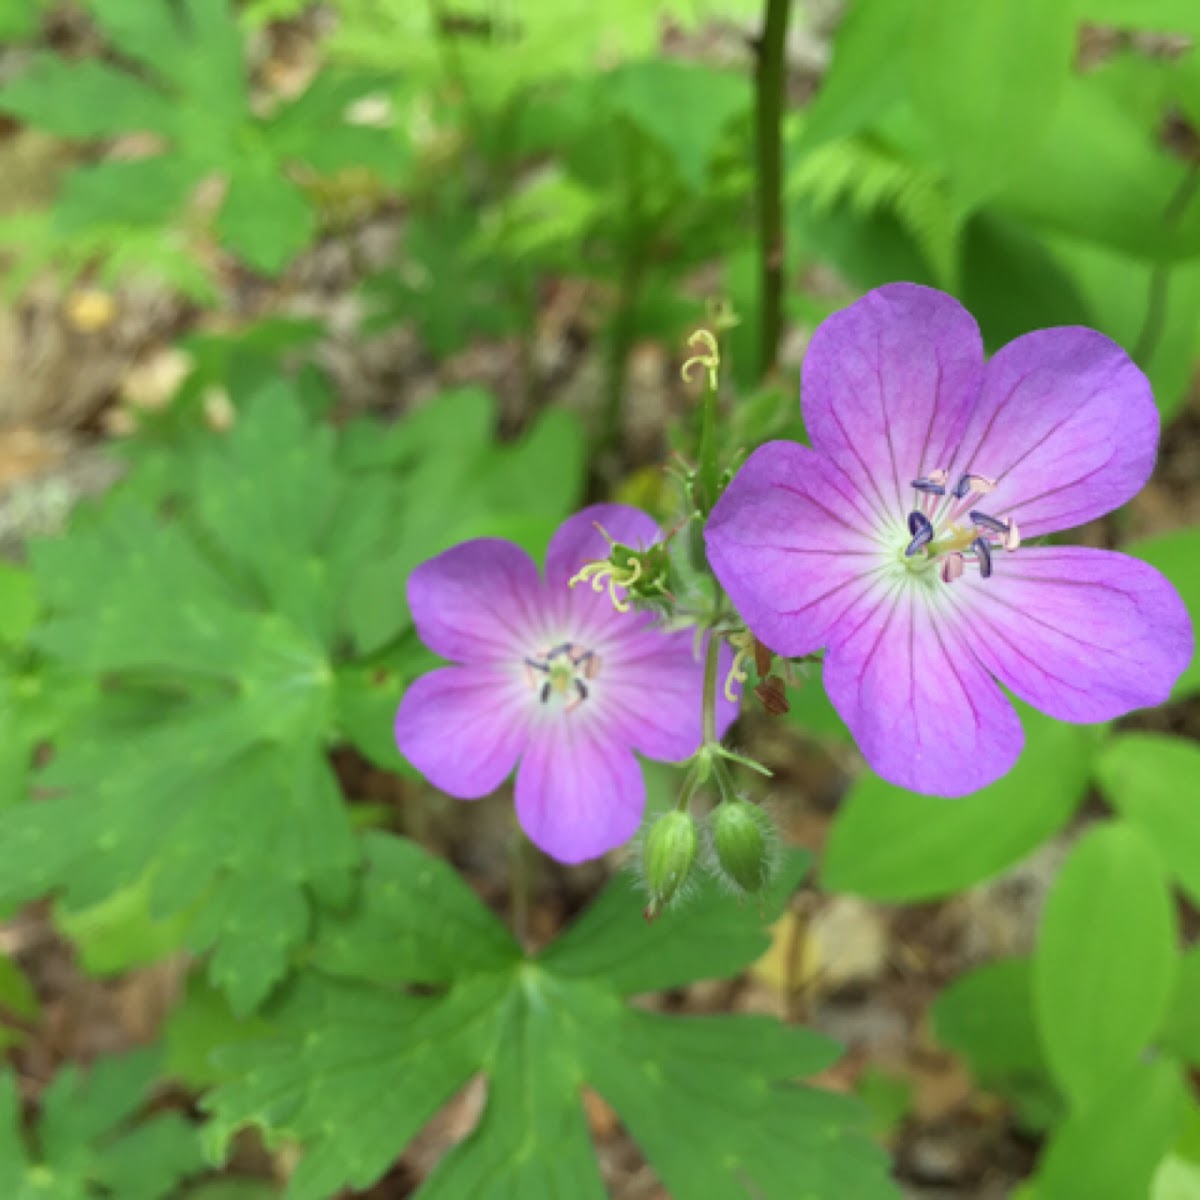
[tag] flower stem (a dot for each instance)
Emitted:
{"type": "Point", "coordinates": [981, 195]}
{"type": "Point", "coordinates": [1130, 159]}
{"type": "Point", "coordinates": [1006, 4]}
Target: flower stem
{"type": "Point", "coordinates": [709, 711]}
{"type": "Point", "coordinates": [769, 91]}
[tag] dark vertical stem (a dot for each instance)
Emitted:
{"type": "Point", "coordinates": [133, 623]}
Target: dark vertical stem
{"type": "Point", "coordinates": [769, 93]}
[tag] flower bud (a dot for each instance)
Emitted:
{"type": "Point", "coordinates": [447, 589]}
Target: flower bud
{"type": "Point", "coordinates": [743, 839]}
{"type": "Point", "coordinates": [667, 857]}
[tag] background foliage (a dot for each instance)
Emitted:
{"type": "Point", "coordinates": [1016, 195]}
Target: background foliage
{"type": "Point", "coordinates": [198, 669]}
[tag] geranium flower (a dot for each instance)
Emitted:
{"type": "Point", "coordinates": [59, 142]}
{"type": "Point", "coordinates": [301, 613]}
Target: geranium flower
{"type": "Point", "coordinates": [900, 541]}
{"type": "Point", "coordinates": [552, 676]}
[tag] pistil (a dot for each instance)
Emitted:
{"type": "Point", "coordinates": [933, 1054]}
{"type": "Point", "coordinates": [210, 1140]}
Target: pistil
{"type": "Point", "coordinates": [564, 670]}
{"type": "Point", "coordinates": [937, 535]}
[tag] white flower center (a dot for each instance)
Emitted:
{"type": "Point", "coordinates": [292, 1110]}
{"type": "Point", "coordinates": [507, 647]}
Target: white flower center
{"type": "Point", "coordinates": [562, 675]}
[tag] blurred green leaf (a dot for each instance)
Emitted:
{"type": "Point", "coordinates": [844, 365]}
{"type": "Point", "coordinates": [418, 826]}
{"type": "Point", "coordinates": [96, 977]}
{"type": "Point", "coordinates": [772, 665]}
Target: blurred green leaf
{"type": "Point", "coordinates": [987, 1017]}
{"type": "Point", "coordinates": [893, 845]}
{"type": "Point", "coordinates": [1180, 1033]}
{"type": "Point", "coordinates": [683, 107]}
{"type": "Point", "coordinates": [866, 75]}
{"type": "Point", "coordinates": [1177, 556]}
{"type": "Point", "coordinates": [1101, 175]}
{"type": "Point", "coordinates": [266, 220]}
{"type": "Point", "coordinates": [1163, 16]}
{"type": "Point", "coordinates": [18, 604]}
{"type": "Point", "coordinates": [711, 1100]}
{"type": "Point", "coordinates": [1152, 315]}
{"type": "Point", "coordinates": [1112, 1146]}
{"type": "Point", "coordinates": [87, 1143]}
{"type": "Point", "coordinates": [1153, 781]}
{"type": "Point", "coordinates": [986, 78]}
{"type": "Point", "coordinates": [1104, 966]}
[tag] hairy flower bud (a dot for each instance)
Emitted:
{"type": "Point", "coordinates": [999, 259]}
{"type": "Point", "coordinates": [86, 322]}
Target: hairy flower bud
{"type": "Point", "coordinates": [668, 854]}
{"type": "Point", "coordinates": [743, 840]}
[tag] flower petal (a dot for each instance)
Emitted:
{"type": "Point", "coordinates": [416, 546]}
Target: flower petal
{"type": "Point", "coordinates": [787, 547]}
{"type": "Point", "coordinates": [923, 711]}
{"type": "Point", "coordinates": [463, 728]}
{"type": "Point", "coordinates": [1084, 635]}
{"type": "Point", "coordinates": [1066, 426]}
{"type": "Point", "coordinates": [578, 794]}
{"type": "Point", "coordinates": [577, 540]}
{"type": "Point", "coordinates": [479, 601]}
{"type": "Point", "coordinates": [888, 385]}
{"type": "Point", "coordinates": [652, 693]}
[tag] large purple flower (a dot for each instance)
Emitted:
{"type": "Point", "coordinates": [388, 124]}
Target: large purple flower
{"type": "Point", "coordinates": [553, 676]}
{"type": "Point", "coordinates": [896, 541]}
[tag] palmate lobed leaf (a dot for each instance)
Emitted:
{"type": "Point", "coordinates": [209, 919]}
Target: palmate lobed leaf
{"type": "Point", "coordinates": [201, 766]}
{"type": "Point", "coordinates": [358, 1062]}
{"type": "Point", "coordinates": [87, 1141]}
{"type": "Point", "coordinates": [185, 82]}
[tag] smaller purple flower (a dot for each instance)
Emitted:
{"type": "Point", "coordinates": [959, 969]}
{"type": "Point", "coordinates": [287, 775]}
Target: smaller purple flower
{"type": "Point", "coordinates": [553, 677]}
{"type": "Point", "coordinates": [896, 541]}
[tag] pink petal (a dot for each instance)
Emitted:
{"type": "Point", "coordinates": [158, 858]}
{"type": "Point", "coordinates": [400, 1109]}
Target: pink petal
{"type": "Point", "coordinates": [463, 728]}
{"type": "Point", "coordinates": [1066, 426]}
{"type": "Point", "coordinates": [577, 540]}
{"type": "Point", "coordinates": [923, 711]}
{"type": "Point", "coordinates": [479, 601]}
{"type": "Point", "coordinates": [651, 697]}
{"type": "Point", "coordinates": [789, 547]}
{"type": "Point", "coordinates": [1084, 635]}
{"type": "Point", "coordinates": [578, 794]}
{"type": "Point", "coordinates": [888, 385]}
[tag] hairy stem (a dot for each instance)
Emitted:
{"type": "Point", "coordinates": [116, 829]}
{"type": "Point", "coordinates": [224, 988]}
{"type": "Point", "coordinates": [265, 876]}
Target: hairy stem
{"type": "Point", "coordinates": [769, 93]}
{"type": "Point", "coordinates": [709, 711]}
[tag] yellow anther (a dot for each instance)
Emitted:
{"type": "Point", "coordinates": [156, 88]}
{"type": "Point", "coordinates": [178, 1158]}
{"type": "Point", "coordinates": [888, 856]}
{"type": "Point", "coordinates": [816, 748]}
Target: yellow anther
{"type": "Point", "coordinates": [709, 359]}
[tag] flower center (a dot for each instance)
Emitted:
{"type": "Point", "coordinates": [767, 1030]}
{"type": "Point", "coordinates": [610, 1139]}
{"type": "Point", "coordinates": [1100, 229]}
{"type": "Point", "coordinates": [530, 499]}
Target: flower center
{"type": "Point", "coordinates": [949, 531]}
{"type": "Point", "coordinates": [562, 675]}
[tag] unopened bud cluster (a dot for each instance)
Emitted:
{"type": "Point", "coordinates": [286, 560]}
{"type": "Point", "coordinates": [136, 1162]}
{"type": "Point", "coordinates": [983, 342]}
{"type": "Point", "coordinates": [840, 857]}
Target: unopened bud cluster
{"type": "Point", "coordinates": [737, 846]}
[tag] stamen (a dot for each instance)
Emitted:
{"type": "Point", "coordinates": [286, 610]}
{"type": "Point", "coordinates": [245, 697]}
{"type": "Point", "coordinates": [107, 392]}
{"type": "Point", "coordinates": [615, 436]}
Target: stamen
{"type": "Point", "coordinates": [952, 567]}
{"type": "Point", "coordinates": [984, 553]}
{"type": "Point", "coordinates": [929, 487]}
{"type": "Point", "coordinates": [962, 487]}
{"type": "Point", "coordinates": [547, 689]}
{"type": "Point", "coordinates": [922, 532]}
{"type": "Point", "coordinates": [986, 522]}
{"type": "Point", "coordinates": [1012, 536]}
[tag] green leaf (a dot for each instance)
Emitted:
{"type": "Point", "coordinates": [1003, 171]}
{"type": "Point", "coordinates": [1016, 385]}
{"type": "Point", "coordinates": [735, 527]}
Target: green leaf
{"type": "Point", "coordinates": [892, 845]}
{"type": "Point", "coordinates": [1177, 556]}
{"type": "Point", "coordinates": [146, 191]}
{"type": "Point", "coordinates": [683, 107]}
{"type": "Point", "coordinates": [986, 79]}
{"type": "Point", "coordinates": [266, 219]}
{"type": "Point", "coordinates": [1180, 1033]}
{"type": "Point", "coordinates": [987, 1017]}
{"type": "Point", "coordinates": [866, 76]}
{"type": "Point", "coordinates": [87, 1143]}
{"type": "Point", "coordinates": [201, 765]}
{"type": "Point", "coordinates": [18, 604]}
{"type": "Point", "coordinates": [1162, 16]}
{"type": "Point", "coordinates": [1153, 781]}
{"type": "Point", "coordinates": [712, 1100]}
{"type": "Point", "coordinates": [1099, 173]}
{"type": "Point", "coordinates": [1118, 290]}
{"type": "Point", "coordinates": [17, 998]}
{"type": "Point", "coordinates": [1104, 965]}
{"type": "Point", "coordinates": [83, 100]}
{"type": "Point", "coordinates": [1112, 1146]}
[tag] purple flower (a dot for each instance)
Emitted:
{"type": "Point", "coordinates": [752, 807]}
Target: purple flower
{"type": "Point", "coordinates": [896, 541]}
{"type": "Point", "coordinates": [552, 676]}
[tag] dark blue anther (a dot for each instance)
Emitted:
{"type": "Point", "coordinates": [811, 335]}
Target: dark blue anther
{"type": "Point", "coordinates": [929, 487]}
{"type": "Point", "coordinates": [962, 487]}
{"type": "Point", "coordinates": [546, 689]}
{"type": "Point", "coordinates": [921, 530]}
{"type": "Point", "coordinates": [537, 666]}
{"type": "Point", "coordinates": [984, 553]}
{"type": "Point", "coordinates": [985, 522]}
{"type": "Point", "coordinates": [581, 688]}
